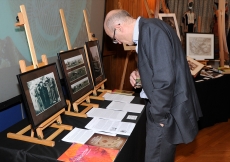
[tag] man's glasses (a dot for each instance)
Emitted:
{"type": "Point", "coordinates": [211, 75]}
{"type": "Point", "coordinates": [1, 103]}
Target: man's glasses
{"type": "Point", "coordinates": [114, 39]}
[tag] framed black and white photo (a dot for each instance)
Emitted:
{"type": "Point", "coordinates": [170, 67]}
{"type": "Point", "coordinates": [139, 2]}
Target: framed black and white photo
{"type": "Point", "coordinates": [170, 19]}
{"type": "Point", "coordinates": [95, 61]}
{"type": "Point", "coordinates": [76, 73]}
{"type": "Point", "coordinates": [200, 46]}
{"type": "Point", "coordinates": [42, 93]}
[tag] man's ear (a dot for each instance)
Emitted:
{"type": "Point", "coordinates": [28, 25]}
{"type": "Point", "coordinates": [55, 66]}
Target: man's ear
{"type": "Point", "coordinates": [118, 27]}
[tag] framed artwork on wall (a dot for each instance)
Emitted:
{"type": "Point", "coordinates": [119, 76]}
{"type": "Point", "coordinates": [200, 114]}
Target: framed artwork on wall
{"type": "Point", "coordinates": [95, 61]}
{"type": "Point", "coordinates": [42, 93]}
{"type": "Point", "coordinates": [200, 46]}
{"type": "Point", "coordinates": [170, 18]}
{"type": "Point", "coordinates": [76, 73]}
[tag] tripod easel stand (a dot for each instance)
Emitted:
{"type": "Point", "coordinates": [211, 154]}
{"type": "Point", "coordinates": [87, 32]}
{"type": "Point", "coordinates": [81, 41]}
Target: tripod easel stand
{"type": "Point", "coordinates": [99, 87]}
{"type": "Point", "coordinates": [221, 31]}
{"type": "Point", "coordinates": [86, 96]}
{"type": "Point", "coordinates": [129, 50]}
{"type": "Point", "coordinates": [23, 20]}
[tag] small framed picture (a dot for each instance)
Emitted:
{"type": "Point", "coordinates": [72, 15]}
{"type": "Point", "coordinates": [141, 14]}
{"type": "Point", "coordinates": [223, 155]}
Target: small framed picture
{"type": "Point", "coordinates": [42, 93]}
{"type": "Point", "coordinates": [95, 61]}
{"type": "Point", "coordinates": [76, 73]}
{"type": "Point", "coordinates": [194, 66]}
{"type": "Point", "coordinates": [170, 19]}
{"type": "Point", "coordinates": [200, 46]}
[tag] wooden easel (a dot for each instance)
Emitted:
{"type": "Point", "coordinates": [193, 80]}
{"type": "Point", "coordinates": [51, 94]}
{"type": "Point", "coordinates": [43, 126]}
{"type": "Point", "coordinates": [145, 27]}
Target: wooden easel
{"type": "Point", "coordinates": [129, 50]}
{"type": "Point", "coordinates": [99, 87]}
{"type": "Point", "coordinates": [86, 98]}
{"type": "Point", "coordinates": [23, 20]}
{"type": "Point", "coordinates": [149, 11]}
{"type": "Point", "coordinates": [221, 31]}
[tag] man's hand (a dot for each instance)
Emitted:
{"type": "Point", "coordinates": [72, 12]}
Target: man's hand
{"type": "Point", "coordinates": [133, 76]}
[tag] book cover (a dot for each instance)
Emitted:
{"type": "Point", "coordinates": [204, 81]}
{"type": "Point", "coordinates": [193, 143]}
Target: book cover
{"type": "Point", "coordinates": [88, 153]}
{"type": "Point", "coordinates": [106, 141]}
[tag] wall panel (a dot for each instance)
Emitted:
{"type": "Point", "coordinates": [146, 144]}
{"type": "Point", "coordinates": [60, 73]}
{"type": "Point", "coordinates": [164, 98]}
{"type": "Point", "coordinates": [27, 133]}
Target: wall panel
{"type": "Point", "coordinates": [114, 55]}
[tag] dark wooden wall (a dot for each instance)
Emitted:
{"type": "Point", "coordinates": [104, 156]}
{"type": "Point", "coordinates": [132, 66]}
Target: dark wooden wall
{"type": "Point", "coordinates": [114, 54]}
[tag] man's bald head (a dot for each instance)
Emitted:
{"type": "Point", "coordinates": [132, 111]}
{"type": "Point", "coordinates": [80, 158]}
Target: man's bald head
{"type": "Point", "coordinates": [116, 17]}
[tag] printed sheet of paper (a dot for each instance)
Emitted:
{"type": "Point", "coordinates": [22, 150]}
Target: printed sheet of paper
{"type": "Point", "coordinates": [117, 127]}
{"type": "Point", "coordinates": [129, 107]}
{"type": "Point", "coordinates": [106, 114]}
{"type": "Point", "coordinates": [118, 97]}
{"type": "Point", "coordinates": [78, 135]}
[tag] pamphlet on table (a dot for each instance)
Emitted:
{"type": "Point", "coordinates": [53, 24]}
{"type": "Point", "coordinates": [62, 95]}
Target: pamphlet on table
{"type": "Point", "coordinates": [128, 107]}
{"type": "Point", "coordinates": [105, 125]}
{"type": "Point", "coordinates": [106, 114]}
{"type": "Point", "coordinates": [118, 97]}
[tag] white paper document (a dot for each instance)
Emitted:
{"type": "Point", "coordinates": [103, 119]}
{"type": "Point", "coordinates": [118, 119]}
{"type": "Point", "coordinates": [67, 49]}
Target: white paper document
{"type": "Point", "coordinates": [105, 125]}
{"type": "Point", "coordinates": [118, 97]}
{"type": "Point", "coordinates": [106, 114]}
{"type": "Point", "coordinates": [129, 107]}
{"type": "Point", "coordinates": [78, 135]}
{"type": "Point", "coordinates": [131, 117]}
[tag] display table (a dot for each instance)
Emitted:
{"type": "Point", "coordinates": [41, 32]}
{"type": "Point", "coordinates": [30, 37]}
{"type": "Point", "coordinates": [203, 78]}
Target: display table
{"type": "Point", "coordinates": [214, 100]}
{"type": "Point", "coordinates": [214, 97]}
{"type": "Point", "coordinates": [18, 151]}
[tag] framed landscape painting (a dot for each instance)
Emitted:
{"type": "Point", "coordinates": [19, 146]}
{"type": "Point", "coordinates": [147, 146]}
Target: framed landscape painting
{"type": "Point", "coordinates": [200, 46]}
{"type": "Point", "coordinates": [170, 19]}
{"type": "Point", "coordinates": [95, 61]}
{"type": "Point", "coordinates": [42, 93]}
{"type": "Point", "coordinates": [76, 72]}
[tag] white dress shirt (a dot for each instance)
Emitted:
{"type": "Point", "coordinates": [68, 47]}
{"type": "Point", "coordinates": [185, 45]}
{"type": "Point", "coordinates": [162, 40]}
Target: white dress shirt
{"type": "Point", "coordinates": [135, 40]}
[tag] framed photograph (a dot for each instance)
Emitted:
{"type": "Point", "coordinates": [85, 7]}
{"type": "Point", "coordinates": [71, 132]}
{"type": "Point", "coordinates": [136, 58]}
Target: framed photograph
{"type": "Point", "coordinates": [194, 66]}
{"type": "Point", "coordinates": [42, 93]}
{"type": "Point", "coordinates": [76, 73]}
{"type": "Point", "coordinates": [170, 18]}
{"type": "Point", "coordinates": [95, 61]}
{"type": "Point", "coordinates": [200, 46]}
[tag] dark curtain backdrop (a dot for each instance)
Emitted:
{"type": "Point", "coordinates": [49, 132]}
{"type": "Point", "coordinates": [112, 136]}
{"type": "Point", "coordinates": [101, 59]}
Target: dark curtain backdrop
{"type": "Point", "coordinates": [202, 8]}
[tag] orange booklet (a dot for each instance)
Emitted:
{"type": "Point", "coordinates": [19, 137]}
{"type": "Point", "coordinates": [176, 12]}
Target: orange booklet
{"type": "Point", "coordinates": [88, 153]}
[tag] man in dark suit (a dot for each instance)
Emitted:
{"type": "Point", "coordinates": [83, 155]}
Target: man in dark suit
{"type": "Point", "coordinates": [173, 107]}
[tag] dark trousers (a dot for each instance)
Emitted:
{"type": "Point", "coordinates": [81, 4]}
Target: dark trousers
{"type": "Point", "coordinates": [158, 149]}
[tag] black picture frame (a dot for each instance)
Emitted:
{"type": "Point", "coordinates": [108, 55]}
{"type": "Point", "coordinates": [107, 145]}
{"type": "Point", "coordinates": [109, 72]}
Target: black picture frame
{"type": "Point", "coordinates": [200, 46]}
{"type": "Point", "coordinates": [95, 60]}
{"type": "Point", "coordinates": [42, 93]}
{"type": "Point", "coordinates": [76, 73]}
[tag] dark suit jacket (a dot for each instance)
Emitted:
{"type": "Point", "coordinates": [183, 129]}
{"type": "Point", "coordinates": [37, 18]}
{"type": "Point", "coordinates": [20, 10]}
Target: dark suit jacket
{"type": "Point", "coordinates": [167, 81]}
